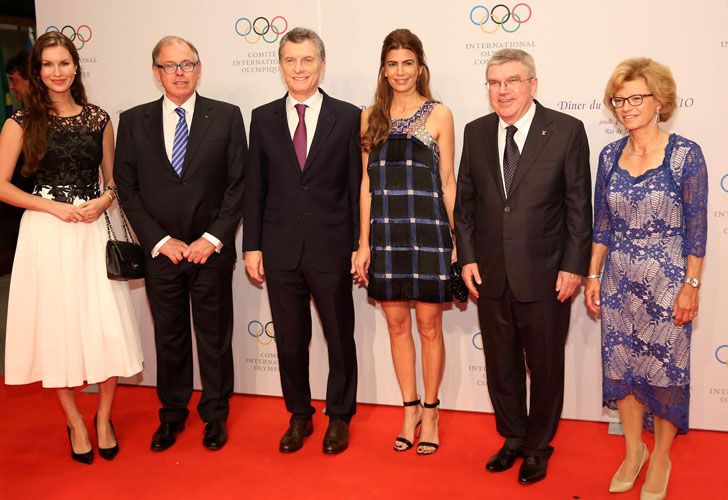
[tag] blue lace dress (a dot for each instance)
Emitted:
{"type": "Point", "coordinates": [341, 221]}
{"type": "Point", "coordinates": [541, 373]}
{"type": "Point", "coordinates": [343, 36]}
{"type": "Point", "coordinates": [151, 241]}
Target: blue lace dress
{"type": "Point", "coordinates": [650, 224]}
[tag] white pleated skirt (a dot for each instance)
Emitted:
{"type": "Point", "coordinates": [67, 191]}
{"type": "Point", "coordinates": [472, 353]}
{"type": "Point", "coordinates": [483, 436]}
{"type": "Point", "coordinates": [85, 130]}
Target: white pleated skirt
{"type": "Point", "coordinates": [68, 324]}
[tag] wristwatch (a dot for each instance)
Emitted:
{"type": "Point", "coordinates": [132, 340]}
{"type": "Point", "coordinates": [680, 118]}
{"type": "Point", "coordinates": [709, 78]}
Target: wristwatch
{"type": "Point", "coordinates": [693, 281]}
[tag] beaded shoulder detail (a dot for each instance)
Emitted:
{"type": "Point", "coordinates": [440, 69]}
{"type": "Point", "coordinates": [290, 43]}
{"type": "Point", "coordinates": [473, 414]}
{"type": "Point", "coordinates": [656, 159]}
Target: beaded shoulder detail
{"type": "Point", "coordinates": [415, 124]}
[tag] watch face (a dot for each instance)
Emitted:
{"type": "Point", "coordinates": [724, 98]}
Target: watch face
{"type": "Point", "coordinates": [693, 282]}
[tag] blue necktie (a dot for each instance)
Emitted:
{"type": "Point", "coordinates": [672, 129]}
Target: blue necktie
{"type": "Point", "coordinates": [180, 142]}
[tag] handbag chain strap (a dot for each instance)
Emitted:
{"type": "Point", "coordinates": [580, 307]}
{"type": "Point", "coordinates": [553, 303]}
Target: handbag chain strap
{"type": "Point", "coordinates": [109, 226]}
{"type": "Point", "coordinates": [124, 225]}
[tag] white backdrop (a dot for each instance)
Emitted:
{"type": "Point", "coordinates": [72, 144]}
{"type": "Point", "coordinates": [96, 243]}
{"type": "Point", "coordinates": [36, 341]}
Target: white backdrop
{"type": "Point", "coordinates": [576, 45]}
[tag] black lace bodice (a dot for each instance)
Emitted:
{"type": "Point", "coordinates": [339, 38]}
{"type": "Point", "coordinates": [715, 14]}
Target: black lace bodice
{"type": "Point", "coordinates": [70, 168]}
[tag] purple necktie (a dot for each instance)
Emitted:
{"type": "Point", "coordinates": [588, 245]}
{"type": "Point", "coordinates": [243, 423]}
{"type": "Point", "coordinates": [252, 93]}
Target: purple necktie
{"type": "Point", "coordinates": [299, 136]}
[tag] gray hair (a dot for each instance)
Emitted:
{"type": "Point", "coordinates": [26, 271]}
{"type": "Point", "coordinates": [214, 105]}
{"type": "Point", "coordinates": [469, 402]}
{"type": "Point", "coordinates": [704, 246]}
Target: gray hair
{"type": "Point", "coordinates": [509, 55]}
{"type": "Point", "coordinates": [298, 35]}
{"type": "Point", "coordinates": [166, 41]}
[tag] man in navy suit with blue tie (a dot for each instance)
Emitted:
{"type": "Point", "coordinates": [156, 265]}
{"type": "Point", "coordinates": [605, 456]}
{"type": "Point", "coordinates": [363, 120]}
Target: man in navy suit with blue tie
{"type": "Point", "coordinates": [179, 169]}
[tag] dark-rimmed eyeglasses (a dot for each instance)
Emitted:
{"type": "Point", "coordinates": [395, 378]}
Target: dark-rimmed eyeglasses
{"type": "Point", "coordinates": [169, 68]}
{"type": "Point", "coordinates": [633, 100]}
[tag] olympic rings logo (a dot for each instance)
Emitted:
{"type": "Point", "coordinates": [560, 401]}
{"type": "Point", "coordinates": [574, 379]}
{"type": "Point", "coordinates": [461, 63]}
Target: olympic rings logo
{"type": "Point", "coordinates": [261, 29]}
{"type": "Point", "coordinates": [478, 341]}
{"type": "Point", "coordinates": [724, 183]}
{"type": "Point", "coordinates": [79, 36]}
{"type": "Point", "coordinates": [721, 354]}
{"type": "Point", "coordinates": [500, 16]}
{"type": "Point", "coordinates": [264, 334]}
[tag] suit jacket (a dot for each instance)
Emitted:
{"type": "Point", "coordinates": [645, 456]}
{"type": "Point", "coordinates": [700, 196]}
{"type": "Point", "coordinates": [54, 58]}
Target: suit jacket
{"type": "Point", "coordinates": [208, 197]}
{"type": "Point", "coordinates": [286, 208]}
{"type": "Point", "coordinates": [544, 225]}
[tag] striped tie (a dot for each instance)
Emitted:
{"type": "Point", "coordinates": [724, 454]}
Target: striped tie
{"type": "Point", "coordinates": [180, 142]}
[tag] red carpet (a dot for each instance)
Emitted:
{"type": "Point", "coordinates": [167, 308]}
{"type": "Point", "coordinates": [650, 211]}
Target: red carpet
{"type": "Point", "coordinates": [35, 461]}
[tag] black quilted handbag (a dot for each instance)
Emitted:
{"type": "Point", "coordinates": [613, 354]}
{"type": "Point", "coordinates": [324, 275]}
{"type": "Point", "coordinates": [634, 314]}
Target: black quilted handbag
{"type": "Point", "coordinates": [459, 290]}
{"type": "Point", "coordinates": [124, 259]}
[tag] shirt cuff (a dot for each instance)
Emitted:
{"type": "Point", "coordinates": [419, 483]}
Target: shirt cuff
{"type": "Point", "coordinates": [217, 243]}
{"type": "Point", "coordinates": [155, 250]}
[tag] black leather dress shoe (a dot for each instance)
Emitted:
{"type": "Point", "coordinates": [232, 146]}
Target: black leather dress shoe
{"type": "Point", "coordinates": [503, 459]}
{"type": "Point", "coordinates": [215, 434]}
{"type": "Point", "coordinates": [166, 435]}
{"type": "Point", "coordinates": [532, 469]}
{"type": "Point", "coordinates": [336, 439]}
{"type": "Point", "coordinates": [298, 430]}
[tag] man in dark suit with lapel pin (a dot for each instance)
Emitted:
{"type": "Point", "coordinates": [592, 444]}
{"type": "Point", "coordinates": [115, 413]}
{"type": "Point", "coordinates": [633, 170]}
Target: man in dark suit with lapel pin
{"type": "Point", "coordinates": [179, 168]}
{"type": "Point", "coordinates": [523, 224]}
{"type": "Point", "coordinates": [300, 232]}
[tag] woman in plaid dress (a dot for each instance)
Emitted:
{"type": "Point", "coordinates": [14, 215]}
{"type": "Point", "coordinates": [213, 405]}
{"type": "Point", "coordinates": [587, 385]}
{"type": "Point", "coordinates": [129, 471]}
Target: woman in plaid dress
{"type": "Point", "coordinates": [405, 244]}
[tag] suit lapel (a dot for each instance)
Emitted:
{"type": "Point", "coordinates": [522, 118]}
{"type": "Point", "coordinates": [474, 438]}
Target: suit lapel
{"type": "Point", "coordinates": [280, 125]}
{"type": "Point", "coordinates": [201, 120]}
{"type": "Point", "coordinates": [538, 135]}
{"type": "Point", "coordinates": [324, 126]}
{"type": "Point", "coordinates": [490, 142]}
{"type": "Point", "coordinates": [155, 131]}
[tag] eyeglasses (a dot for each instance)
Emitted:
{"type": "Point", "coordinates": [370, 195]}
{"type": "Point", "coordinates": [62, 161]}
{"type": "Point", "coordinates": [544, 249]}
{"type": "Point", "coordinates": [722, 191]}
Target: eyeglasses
{"type": "Point", "coordinates": [510, 83]}
{"type": "Point", "coordinates": [633, 100]}
{"type": "Point", "coordinates": [169, 68]}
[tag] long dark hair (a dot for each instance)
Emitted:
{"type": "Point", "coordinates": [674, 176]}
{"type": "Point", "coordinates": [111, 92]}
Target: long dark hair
{"type": "Point", "coordinates": [380, 122]}
{"type": "Point", "coordinates": [39, 105]}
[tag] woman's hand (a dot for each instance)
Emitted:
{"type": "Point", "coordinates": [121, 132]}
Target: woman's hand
{"type": "Point", "coordinates": [454, 256]}
{"type": "Point", "coordinates": [686, 305]}
{"type": "Point", "coordinates": [92, 209]}
{"type": "Point", "coordinates": [65, 211]}
{"type": "Point", "coordinates": [361, 263]}
{"type": "Point", "coordinates": [591, 295]}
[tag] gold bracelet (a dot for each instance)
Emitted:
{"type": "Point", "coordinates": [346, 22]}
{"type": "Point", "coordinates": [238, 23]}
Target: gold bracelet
{"type": "Point", "coordinates": [111, 197]}
{"type": "Point", "coordinates": [594, 277]}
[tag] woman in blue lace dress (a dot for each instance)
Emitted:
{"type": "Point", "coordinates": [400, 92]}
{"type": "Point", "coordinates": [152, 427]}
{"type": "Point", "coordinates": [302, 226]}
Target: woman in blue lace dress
{"type": "Point", "coordinates": [68, 324]}
{"type": "Point", "coordinates": [650, 225]}
{"type": "Point", "coordinates": [405, 244]}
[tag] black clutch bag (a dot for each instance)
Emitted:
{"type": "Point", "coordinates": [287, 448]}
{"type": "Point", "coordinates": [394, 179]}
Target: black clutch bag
{"type": "Point", "coordinates": [124, 259]}
{"type": "Point", "coordinates": [459, 290]}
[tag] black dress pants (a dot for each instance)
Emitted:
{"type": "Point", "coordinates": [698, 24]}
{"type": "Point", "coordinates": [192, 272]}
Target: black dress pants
{"type": "Point", "coordinates": [208, 288]}
{"type": "Point", "coordinates": [290, 293]}
{"type": "Point", "coordinates": [516, 334]}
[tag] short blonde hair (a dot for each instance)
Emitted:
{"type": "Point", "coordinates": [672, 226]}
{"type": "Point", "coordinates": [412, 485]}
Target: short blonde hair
{"type": "Point", "coordinates": [657, 76]}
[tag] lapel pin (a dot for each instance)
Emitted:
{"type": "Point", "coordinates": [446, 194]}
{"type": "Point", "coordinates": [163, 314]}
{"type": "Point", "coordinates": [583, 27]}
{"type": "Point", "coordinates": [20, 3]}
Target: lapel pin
{"type": "Point", "coordinates": [543, 132]}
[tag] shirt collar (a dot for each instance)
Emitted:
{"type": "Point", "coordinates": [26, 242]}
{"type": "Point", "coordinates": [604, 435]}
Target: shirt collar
{"type": "Point", "coordinates": [523, 123]}
{"type": "Point", "coordinates": [313, 102]}
{"type": "Point", "coordinates": [189, 105]}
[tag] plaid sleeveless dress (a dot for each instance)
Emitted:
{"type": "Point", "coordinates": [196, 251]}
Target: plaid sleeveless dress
{"type": "Point", "coordinates": [409, 237]}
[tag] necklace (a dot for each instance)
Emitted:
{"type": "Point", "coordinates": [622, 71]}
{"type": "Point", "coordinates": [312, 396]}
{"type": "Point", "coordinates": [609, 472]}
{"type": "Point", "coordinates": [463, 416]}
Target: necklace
{"type": "Point", "coordinates": [631, 151]}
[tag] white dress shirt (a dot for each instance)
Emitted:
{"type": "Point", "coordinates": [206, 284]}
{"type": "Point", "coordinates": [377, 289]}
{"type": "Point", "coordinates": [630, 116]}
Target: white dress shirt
{"type": "Point", "coordinates": [313, 109]}
{"type": "Point", "coordinates": [169, 125]}
{"type": "Point", "coordinates": [523, 125]}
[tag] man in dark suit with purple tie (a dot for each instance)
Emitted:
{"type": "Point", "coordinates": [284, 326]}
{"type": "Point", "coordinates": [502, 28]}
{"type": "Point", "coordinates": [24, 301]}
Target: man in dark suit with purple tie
{"type": "Point", "coordinates": [301, 230]}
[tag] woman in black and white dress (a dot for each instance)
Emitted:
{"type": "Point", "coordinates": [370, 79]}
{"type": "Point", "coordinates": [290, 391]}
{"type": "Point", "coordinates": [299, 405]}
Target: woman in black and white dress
{"type": "Point", "coordinates": [68, 324]}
